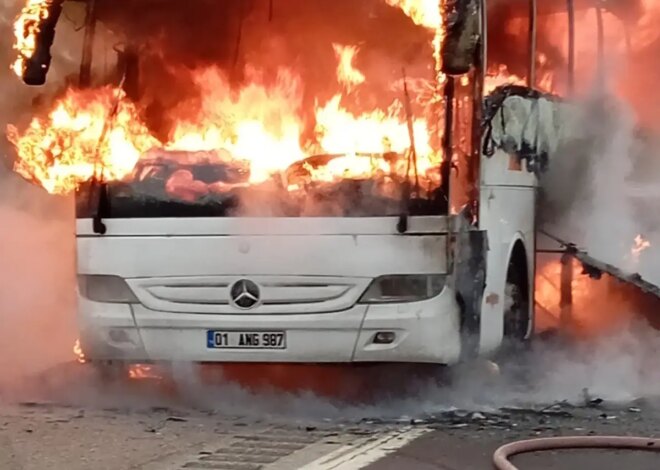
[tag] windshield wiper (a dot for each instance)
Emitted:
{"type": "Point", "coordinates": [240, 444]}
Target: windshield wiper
{"type": "Point", "coordinates": [97, 179]}
{"type": "Point", "coordinates": [402, 224]}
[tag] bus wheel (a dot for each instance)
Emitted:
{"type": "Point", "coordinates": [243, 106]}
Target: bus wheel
{"type": "Point", "coordinates": [110, 371]}
{"type": "Point", "coordinates": [517, 319]}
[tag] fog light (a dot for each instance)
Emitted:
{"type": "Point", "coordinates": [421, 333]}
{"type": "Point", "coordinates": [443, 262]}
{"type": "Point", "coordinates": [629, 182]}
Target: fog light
{"type": "Point", "coordinates": [119, 336]}
{"type": "Point", "coordinates": [384, 337]}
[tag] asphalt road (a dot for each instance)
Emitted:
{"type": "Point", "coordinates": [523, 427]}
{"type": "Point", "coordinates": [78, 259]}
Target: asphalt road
{"type": "Point", "coordinates": [74, 424]}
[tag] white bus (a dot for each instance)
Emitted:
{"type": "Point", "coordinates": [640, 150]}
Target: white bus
{"type": "Point", "coordinates": [435, 278]}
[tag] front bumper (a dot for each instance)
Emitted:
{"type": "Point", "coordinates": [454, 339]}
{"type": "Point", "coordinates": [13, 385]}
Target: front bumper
{"type": "Point", "coordinates": [426, 332]}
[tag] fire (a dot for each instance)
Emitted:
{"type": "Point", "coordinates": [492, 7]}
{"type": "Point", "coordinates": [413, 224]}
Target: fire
{"type": "Point", "coordinates": [429, 14]}
{"type": "Point", "coordinates": [259, 124]}
{"type": "Point", "coordinates": [59, 151]}
{"type": "Point", "coordinates": [258, 127]}
{"type": "Point", "coordinates": [347, 74]}
{"type": "Point", "coordinates": [423, 12]}
{"type": "Point", "coordinates": [77, 350]}
{"type": "Point", "coordinates": [342, 132]}
{"type": "Point", "coordinates": [640, 245]}
{"type": "Point", "coordinates": [599, 305]}
{"type": "Point", "coordinates": [142, 371]}
{"type": "Point", "coordinates": [26, 29]}
{"type": "Point", "coordinates": [500, 77]}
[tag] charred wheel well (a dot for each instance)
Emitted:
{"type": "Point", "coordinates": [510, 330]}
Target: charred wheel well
{"type": "Point", "coordinates": [518, 268]}
{"type": "Point", "coordinates": [517, 315]}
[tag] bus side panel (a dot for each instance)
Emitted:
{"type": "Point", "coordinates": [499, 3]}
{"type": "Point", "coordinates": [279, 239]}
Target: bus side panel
{"type": "Point", "coordinates": [507, 214]}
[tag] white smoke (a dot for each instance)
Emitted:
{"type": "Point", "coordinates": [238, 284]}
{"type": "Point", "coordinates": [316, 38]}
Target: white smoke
{"type": "Point", "coordinates": [600, 192]}
{"type": "Point", "coordinates": [37, 258]}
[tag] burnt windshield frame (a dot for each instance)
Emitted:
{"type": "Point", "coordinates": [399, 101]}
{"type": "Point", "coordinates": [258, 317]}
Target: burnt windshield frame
{"type": "Point", "coordinates": [149, 197]}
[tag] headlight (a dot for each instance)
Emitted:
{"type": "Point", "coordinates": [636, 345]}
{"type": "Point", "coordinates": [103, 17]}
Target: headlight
{"type": "Point", "coordinates": [403, 288]}
{"type": "Point", "coordinates": [110, 289]}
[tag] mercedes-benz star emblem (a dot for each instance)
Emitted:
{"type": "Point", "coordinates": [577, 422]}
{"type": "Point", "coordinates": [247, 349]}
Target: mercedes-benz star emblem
{"type": "Point", "coordinates": [244, 294]}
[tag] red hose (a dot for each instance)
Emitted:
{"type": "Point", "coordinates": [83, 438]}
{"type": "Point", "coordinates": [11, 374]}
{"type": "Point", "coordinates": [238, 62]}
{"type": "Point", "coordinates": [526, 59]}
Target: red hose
{"type": "Point", "coordinates": [502, 455]}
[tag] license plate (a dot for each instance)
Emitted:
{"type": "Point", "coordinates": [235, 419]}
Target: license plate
{"type": "Point", "coordinates": [217, 339]}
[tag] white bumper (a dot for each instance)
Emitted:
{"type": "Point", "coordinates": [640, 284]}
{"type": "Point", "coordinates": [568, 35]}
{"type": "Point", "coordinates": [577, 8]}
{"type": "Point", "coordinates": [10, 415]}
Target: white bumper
{"type": "Point", "coordinates": [426, 331]}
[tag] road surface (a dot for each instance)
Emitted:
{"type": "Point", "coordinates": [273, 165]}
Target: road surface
{"type": "Point", "coordinates": [81, 427]}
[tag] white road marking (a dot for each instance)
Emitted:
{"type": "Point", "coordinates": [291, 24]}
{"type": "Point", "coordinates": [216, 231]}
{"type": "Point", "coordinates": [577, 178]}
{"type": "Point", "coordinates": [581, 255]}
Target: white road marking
{"type": "Point", "coordinates": [355, 457]}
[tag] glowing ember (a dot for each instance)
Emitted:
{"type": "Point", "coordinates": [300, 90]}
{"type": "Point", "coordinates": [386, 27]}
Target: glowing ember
{"type": "Point", "coordinates": [77, 350]}
{"type": "Point", "coordinates": [347, 74]}
{"type": "Point", "coordinates": [26, 28]}
{"type": "Point", "coordinates": [59, 151]}
{"type": "Point", "coordinates": [640, 245]}
{"type": "Point", "coordinates": [142, 371]}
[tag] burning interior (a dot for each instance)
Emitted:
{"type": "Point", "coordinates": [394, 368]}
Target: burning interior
{"type": "Point", "coordinates": [270, 109]}
{"type": "Point", "coordinates": [296, 108]}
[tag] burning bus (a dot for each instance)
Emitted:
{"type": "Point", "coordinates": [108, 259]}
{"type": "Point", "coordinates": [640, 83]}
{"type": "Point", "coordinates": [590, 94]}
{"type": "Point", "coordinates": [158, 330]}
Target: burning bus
{"type": "Point", "coordinates": [302, 181]}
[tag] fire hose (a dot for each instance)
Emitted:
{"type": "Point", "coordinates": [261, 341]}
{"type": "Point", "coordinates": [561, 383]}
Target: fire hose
{"type": "Point", "coordinates": [502, 455]}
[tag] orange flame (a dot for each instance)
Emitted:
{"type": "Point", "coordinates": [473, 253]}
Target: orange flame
{"type": "Point", "coordinates": [26, 29]}
{"type": "Point", "coordinates": [598, 306]}
{"type": "Point", "coordinates": [639, 246]}
{"type": "Point", "coordinates": [347, 74]}
{"type": "Point", "coordinates": [259, 126]}
{"type": "Point", "coordinates": [429, 14]}
{"type": "Point", "coordinates": [423, 12]}
{"type": "Point", "coordinates": [77, 350]}
{"type": "Point", "coordinates": [142, 371]}
{"type": "Point", "coordinates": [59, 151]}
{"type": "Point", "coordinates": [500, 77]}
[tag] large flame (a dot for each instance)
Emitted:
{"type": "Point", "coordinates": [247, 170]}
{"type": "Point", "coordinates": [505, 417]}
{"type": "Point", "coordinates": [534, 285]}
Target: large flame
{"type": "Point", "coordinates": [26, 28]}
{"type": "Point", "coordinates": [423, 12]}
{"type": "Point", "coordinates": [79, 137]}
{"type": "Point", "coordinates": [260, 123]}
{"type": "Point", "coordinates": [259, 126]}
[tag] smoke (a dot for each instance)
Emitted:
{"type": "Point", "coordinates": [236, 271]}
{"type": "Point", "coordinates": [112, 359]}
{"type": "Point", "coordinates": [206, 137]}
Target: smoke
{"type": "Point", "coordinates": [598, 192]}
{"type": "Point", "coordinates": [618, 367]}
{"type": "Point", "coordinates": [36, 234]}
{"type": "Point", "coordinates": [591, 194]}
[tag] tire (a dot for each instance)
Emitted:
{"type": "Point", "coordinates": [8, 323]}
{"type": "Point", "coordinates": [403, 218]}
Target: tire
{"type": "Point", "coordinates": [517, 318]}
{"type": "Point", "coordinates": [110, 371]}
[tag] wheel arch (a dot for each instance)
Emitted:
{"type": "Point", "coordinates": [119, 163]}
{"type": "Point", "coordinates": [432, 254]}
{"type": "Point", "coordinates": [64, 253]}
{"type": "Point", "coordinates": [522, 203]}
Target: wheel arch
{"type": "Point", "coordinates": [519, 259]}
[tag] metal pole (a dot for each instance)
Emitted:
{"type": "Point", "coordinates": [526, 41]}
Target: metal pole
{"type": "Point", "coordinates": [474, 163]}
{"type": "Point", "coordinates": [566, 292]}
{"type": "Point", "coordinates": [85, 76]}
{"type": "Point", "coordinates": [484, 44]}
{"type": "Point", "coordinates": [571, 47]}
{"type": "Point", "coordinates": [531, 75]}
{"type": "Point", "coordinates": [601, 45]}
{"type": "Point", "coordinates": [448, 138]}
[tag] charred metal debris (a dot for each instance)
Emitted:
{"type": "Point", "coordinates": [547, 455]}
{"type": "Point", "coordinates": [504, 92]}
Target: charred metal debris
{"type": "Point", "coordinates": [36, 67]}
{"type": "Point", "coordinates": [595, 268]}
{"type": "Point", "coordinates": [526, 123]}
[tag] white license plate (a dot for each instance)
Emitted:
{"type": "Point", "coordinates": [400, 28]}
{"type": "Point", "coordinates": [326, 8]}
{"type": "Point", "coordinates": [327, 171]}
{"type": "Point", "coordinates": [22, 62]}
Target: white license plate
{"type": "Point", "coordinates": [220, 339]}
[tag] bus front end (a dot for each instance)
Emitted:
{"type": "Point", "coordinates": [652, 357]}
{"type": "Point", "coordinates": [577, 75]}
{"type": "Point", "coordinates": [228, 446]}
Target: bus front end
{"type": "Point", "coordinates": [215, 280]}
